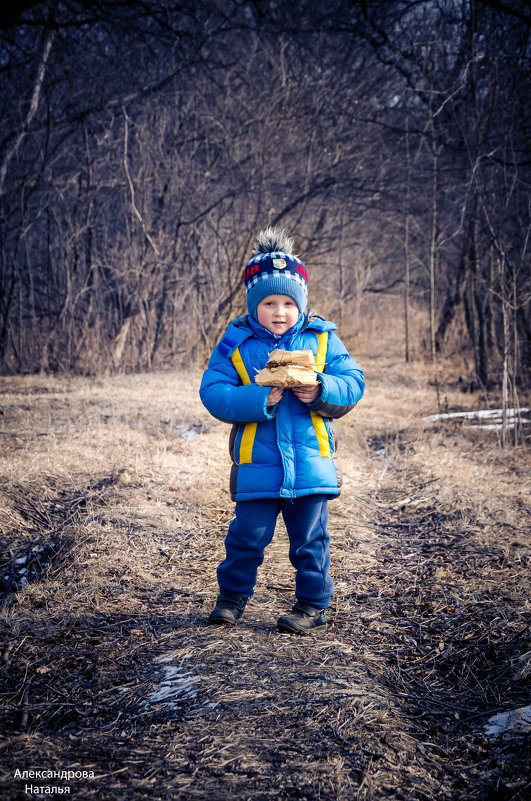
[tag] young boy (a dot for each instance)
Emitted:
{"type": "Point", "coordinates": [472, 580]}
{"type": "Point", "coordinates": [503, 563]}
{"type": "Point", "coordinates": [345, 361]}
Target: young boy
{"type": "Point", "coordinates": [283, 441]}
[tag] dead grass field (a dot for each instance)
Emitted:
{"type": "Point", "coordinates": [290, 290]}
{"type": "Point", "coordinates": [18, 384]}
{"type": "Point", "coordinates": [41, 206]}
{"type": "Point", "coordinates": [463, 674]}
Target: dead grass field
{"type": "Point", "coordinates": [113, 509]}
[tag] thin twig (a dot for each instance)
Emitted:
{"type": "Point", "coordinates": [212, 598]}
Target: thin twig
{"type": "Point", "coordinates": [25, 705]}
{"type": "Point", "coordinates": [132, 188]}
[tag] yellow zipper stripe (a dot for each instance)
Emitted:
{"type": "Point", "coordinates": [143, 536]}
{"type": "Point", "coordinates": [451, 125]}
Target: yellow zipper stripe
{"type": "Point", "coordinates": [249, 432]}
{"type": "Point", "coordinates": [322, 434]}
{"type": "Point", "coordinates": [247, 442]}
{"type": "Point", "coordinates": [320, 359]}
{"type": "Point", "coordinates": [240, 367]}
{"type": "Point", "coordinates": [317, 420]}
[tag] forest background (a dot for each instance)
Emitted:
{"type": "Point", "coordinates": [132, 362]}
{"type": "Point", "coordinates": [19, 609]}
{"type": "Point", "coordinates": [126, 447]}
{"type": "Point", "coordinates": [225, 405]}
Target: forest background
{"type": "Point", "coordinates": [143, 144]}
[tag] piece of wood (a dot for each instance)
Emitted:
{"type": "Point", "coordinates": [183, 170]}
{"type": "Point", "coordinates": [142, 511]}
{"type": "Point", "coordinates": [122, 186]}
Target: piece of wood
{"type": "Point", "coordinates": [302, 358]}
{"type": "Point", "coordinates": [285, 368]}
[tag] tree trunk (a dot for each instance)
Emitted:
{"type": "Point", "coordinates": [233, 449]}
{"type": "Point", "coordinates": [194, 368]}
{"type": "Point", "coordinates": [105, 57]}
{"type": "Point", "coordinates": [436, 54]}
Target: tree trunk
{"type": "Point", "coordinates": [433, 252]}
{"type": "Point", "coordinates": [11, 151]}
{"type": "Point", "coordinates": [406, 247]}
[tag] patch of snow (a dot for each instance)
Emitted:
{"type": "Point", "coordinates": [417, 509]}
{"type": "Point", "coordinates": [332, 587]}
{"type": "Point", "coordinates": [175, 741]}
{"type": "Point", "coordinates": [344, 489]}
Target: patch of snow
{"type": "Point", "coordinates": [176, 685]}
{"type": "Point", "coordinates": [189, 432]}
{"type": "Point", "coordinates": [514, 722]}
{"type": "Point", "coordinates": [495, 416]}
{"type": "Point", "coordinates": [170, 657]}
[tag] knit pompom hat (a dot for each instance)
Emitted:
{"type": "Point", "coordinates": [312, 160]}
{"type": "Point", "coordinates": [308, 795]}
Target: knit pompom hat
{"type": "Point", "coordinates": [273, 270]}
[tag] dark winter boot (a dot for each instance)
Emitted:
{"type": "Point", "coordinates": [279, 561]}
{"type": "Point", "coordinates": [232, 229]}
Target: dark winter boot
{"type": "Point", "coordinates": [228, 609]}
{"type": "Point", "coordinates": [303, 619]}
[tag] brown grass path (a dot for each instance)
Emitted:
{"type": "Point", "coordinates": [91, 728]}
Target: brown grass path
{"type": "Point", "coordinates": [113, 509]}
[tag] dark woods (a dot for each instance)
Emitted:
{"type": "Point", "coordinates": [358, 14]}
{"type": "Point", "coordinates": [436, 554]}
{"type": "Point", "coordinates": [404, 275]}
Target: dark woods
{"type": "Point", "coordinates": [142, 144]}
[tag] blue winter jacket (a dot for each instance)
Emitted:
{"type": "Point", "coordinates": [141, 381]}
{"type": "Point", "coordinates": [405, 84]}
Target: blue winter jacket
{"type": "Point", "coordinates": [287, 450]}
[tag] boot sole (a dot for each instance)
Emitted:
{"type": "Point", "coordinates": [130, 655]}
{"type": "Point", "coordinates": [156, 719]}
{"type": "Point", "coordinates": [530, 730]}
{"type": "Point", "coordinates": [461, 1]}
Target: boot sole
{"type": "Point", "coordinates": [288, 628]}
{"type": "Point", "coordinates": [221, 621]}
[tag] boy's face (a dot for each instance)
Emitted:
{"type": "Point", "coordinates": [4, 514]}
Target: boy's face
{"type": "Point", "coordinates": [277, 313]}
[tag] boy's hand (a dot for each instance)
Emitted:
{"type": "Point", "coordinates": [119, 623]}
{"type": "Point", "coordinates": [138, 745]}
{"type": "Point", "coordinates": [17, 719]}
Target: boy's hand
{"type": "Point", "coordinates": [307, 394]}
{"type": "Point", "coordinates": [274, 396]}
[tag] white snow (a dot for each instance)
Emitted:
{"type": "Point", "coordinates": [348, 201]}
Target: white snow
{"type": "Point", "coordinates": [189, 432]}
{"type": "Point", "coordinates": [514, 722]}
{"type": "Point", "coordinates": [493, 416]}
{"type": "Point", "coordinates": [177, 684]}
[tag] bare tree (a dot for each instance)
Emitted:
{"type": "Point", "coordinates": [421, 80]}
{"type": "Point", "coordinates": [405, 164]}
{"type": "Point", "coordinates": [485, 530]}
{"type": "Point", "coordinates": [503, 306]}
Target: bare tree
{"type": "Point", "coordinates": [145, 145]}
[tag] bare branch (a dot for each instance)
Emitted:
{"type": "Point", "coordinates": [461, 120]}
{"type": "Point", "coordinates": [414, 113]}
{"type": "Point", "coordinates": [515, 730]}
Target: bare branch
{"type": "Point", "coordinates": [11, 151]}
{"type": "Point", "coordinates": [132, 187]}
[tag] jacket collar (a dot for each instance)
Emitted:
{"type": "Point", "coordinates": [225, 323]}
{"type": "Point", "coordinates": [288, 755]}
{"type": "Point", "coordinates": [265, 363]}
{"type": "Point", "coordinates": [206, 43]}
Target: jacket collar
{"type": "Point", "coordinates": [315, 322]}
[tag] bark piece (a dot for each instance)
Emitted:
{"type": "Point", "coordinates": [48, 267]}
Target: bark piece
{"type": "Point", "coordinates": [288, 368]}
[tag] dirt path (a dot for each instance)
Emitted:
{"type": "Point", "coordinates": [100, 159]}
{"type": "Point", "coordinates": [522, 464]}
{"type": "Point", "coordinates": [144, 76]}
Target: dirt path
{"type": "Point", "coordinates": [113, 508]}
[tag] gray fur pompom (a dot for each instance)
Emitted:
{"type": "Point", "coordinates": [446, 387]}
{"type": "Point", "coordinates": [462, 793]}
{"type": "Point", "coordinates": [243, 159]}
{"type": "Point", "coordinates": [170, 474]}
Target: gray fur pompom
{"type": "Point", "coordinates": [272, 240]}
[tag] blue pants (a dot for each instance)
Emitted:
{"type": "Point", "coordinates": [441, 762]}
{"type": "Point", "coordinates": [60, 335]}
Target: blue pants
{"type": "Point", "coordinates": [252, 530]}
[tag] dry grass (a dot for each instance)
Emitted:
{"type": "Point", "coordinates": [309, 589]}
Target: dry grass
{"type": "Point", "coordinates": [113, 499]}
